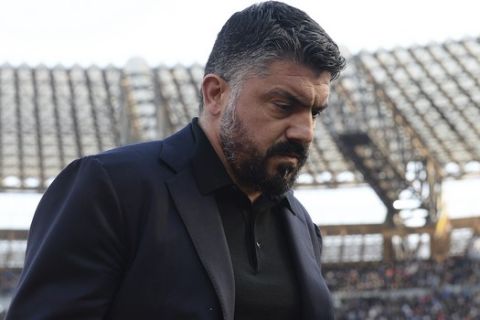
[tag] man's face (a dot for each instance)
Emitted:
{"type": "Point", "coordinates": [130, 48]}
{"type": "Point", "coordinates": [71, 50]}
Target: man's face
{"type": "Point", "coordinates": [267, 126]}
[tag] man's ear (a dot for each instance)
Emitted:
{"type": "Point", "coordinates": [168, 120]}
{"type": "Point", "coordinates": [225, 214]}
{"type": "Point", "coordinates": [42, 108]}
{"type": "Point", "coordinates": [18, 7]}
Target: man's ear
{"type": "Point", "coordinates": [214, 91]}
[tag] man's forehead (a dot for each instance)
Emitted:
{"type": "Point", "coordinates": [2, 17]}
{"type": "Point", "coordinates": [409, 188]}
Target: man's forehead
{"type": "Point", "coordinates": [297, 80]}
{"type": "Point", "coordinates": [302, 94]}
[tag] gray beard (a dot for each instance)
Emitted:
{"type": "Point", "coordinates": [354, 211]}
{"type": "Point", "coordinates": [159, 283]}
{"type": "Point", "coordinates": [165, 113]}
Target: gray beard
{"type": "Point", "coordinates": [249, 165]}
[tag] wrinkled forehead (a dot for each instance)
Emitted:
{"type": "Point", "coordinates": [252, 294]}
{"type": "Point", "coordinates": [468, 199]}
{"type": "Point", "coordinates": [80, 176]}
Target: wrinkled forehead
{"type": "Point", "coordinates": [301, 80]}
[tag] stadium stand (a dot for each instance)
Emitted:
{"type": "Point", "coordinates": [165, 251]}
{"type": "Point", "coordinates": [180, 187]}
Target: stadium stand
{"type": "Point", "coordinates": [401, 121]}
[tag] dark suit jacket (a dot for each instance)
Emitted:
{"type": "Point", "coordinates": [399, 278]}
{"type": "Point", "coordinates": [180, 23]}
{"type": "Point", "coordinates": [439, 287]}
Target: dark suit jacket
{"type": "Point", "coordinates": [127, 235]}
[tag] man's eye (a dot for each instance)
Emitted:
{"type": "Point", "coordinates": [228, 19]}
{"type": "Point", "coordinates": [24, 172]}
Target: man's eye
{"type": "Point", "coordinates": [285, 107]}
{"type": "Point", "coordinates": [315, 113]}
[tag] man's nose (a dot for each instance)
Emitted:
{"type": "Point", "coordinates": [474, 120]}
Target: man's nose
{"type": "Point", "coordinates": [301, 128]}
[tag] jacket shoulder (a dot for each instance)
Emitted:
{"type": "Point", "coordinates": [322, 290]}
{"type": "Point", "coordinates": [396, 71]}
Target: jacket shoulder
{"type": "Point", "coordinates": [173, 152]}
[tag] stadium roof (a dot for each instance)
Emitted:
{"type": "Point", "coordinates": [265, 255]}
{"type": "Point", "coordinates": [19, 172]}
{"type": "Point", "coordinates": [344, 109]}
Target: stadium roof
{"type": "Point", "coordinates": [425, 99]}
{"type": "Point", "coordinates": [48, 117]}
{"type": "Point", "coordinates": [437, 89]}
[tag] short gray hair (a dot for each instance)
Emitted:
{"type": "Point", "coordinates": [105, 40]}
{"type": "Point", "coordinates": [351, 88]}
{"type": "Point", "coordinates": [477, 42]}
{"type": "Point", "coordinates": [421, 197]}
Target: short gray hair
{"type": "Point", "coordinates": [262, 33]}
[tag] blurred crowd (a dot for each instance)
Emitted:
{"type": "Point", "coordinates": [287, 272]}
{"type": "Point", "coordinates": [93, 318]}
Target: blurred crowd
{"type": "Point", "coordinates": [439, 305]}
{"type": "Point", "coordinates": [407, 274]}
{"type": "Point", "coordinates": [8, 280]}
{"type": "Point", "coordinates": [417, 290]}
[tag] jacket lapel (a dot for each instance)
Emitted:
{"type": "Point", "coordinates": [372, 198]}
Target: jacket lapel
{"type": "Point", "coordinates": [202, 220]}
{"type": "Point", "coordinates": [313, 288]}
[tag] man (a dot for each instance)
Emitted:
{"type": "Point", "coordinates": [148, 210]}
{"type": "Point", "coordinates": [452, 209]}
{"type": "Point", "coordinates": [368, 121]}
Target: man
{"type": "Point", "coordinates": [202, 225]}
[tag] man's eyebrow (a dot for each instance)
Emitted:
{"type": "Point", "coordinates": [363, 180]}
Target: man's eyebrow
{"type": "Point", "coordinates": [322, 107]}
{"type": "Point", "coordinates": [292, 98]}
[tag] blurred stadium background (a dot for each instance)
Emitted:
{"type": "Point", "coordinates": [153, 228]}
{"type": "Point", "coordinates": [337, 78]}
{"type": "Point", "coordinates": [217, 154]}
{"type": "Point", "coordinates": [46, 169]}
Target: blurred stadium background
{"type": "Point", "coordinates": [403, 123]}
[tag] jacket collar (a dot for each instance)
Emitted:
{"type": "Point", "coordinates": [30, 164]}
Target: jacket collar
{"type": "Point", "coordinates": [177, 150]}
{"type": "Point", "coordinates": [312, 285]}
{"type": "Point", "coordinates": [200, 216]}
{"type": "Point", "coordinates": [203, 222]}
